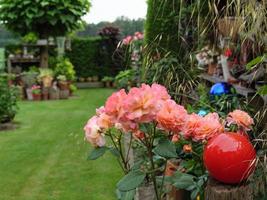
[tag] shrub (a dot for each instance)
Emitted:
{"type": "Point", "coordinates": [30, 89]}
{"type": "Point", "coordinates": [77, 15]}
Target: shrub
{"type": "Point", "coordinates": [8, 100]}
{"type": "Point", "coordinates": [65, 67]}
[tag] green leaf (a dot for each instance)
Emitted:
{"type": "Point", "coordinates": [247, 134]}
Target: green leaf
{"type": "Point", "coordinates": [114, 152]}
{"type": "Point", "coordinates": [254, 62]}
{"type": "Point", "coordinates": [166, 149]}
{"type": "Point", "coordinates": [194, 194]}
{"type": "Point", "coordinates": [183, 181]}
{"type": "Point", "coordinates": [263, 90]}
{"type": "Point", "coordinates": [129, 195]}
{"type": "Point", "coordinates": [97, 153]}
{"type": "Point", "coordinates": [131, 180]}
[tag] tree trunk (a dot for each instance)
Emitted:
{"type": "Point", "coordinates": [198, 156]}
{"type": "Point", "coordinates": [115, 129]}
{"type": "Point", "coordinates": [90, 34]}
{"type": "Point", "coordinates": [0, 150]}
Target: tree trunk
{"type": "Point", "coordinates": [44, 56]}
{"type": "Point", "coordinates": [220, 191]}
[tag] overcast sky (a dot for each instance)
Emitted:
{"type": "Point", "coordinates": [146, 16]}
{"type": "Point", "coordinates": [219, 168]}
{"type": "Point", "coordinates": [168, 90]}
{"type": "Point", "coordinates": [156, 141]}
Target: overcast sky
{"type": "Point", "coordinates": [109, 10]}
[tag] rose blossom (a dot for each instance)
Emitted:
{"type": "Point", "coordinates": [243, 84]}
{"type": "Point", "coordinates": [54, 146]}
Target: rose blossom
{"type": "Point", "coordinates": [192, 122]}
{"type": "Point", "coordinates": [141, 104]}
{"type": "Point", "coordinates": [187, 148]}
{"type": "Point", "coordinates": [208, 126]}
{"type": "Point", "coordinates": [240, 118]}
{"type": "Point", "coordinates": [175, 138]}
{"type": "Point", "coordinates": [171, 116]}
{"type": "Point", "coordinates": [93, 133]}
{"type": "Point", "coordinates": [114, 105]}
{"type": "Point", "coordinates": [127, 40]}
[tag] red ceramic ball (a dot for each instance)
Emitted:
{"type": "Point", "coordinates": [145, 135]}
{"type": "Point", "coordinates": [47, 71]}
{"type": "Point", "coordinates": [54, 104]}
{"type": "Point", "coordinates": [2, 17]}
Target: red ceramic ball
{"type": "Point", "coordinates": [229, 158]}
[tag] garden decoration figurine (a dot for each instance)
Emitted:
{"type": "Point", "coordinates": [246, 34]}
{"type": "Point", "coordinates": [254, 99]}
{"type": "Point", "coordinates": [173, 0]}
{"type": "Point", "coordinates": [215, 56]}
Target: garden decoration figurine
{"type": "Point", "coordinates": [164, 130]}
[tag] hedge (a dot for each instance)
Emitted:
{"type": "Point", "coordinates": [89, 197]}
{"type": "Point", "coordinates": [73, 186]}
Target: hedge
{"type": "Point", "coordinates": [84, 55]}
{"type": "Point", "coordinates": [91, 57]}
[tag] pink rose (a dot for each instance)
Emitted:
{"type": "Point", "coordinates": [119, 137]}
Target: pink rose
{"type": "Point", "coordinates": [171, 116]}
{"type": "Point", "coordinates": [93, 133]}
{"type": "Point", "coordinates": [192, 122]}
{"type": "Point", "coordinates": [240, 118]}
{"type": "Point", "coordinates": [141, 104]}
{"type": "Point", "coordinates": [127, 40]}
{"type": "Point", "coordinates": [208, 127]}
{"type": "Point", "coordinates": [114, 105]}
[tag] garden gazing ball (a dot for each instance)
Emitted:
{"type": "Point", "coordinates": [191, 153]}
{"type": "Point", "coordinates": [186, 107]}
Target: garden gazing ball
{"type": "Point", "coordinates": [220, 89]}
{"type": "Point", "coordinates": [229, 158]}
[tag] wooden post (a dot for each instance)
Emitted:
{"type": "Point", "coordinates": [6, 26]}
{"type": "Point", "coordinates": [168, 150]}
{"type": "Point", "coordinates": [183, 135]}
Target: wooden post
{"type": "Point", "coordinates": [220, 191]}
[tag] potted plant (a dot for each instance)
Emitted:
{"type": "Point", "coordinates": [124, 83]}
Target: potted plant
{"type": "Point", "coordinates": [95, 78]}
{"type": "Point", "coordinates": [54, 92]}
{"type": "Point", "coordinates": [73, 89]}
{"type": "Point", "coordinates": [63, 84]}
{"type": "Point", "coordinates": [46, 77]}
{"type": "Point", "coordinates": [36, 92]}
{"type": "Point", "coordinates": [108, 81]}
{"type": "Point", "coordinates": [65, 67]}
{"type": "Point", "coordinates": [89, 79]}
{"type": "Point", "coordinates": [30, 38]}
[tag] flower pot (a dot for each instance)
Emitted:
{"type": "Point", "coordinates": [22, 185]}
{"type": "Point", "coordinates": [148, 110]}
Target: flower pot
{"type": "Point", "coordinates": [108, 84]}
{"type": "Point", "coordinates": [212, 69]}
{"type": "Point", "coordinates": [29, 94]}
{"type": "Point", "coordinates": [63, 85]}
{"type": "Point", "coordinates": [174, 194]}
{"type": "Point", "coordinates": [45, 93]}
{"type": "Point", "coordinates": [64, 94]}
{"type": "Point", "coordinates": [37, 97]}
{"type": "Point", "coordinates": [53, 94]}
{"type": "Point", "coordinates": [145, 192]}
{"type": "Point", "coordinates": [95, 78]}
{"type": "Point", "coordinates": [47, 81]}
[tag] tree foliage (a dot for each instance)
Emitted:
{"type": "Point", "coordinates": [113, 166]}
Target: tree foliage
{"type": "Point", "coordinates": [45, 17]}
{"type": "Point", "coordinates": [127, 27]}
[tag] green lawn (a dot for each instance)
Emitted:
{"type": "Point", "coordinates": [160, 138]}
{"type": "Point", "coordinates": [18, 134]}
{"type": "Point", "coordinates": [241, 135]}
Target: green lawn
{"type": "Point", "coordinates": [46, 157]}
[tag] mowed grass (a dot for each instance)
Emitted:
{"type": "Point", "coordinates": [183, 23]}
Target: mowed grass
{"type": "Point", "coordinates": [46, 157]}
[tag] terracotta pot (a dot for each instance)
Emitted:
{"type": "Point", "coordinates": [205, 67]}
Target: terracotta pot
{"type": "Point", "coordinates": [63, 85]}
{"type": "Point", "coordinates": [37, 97]}
{"type": "Point", "coordinates": [95, 78]}
{"type": "Point", "coordinates": [174, 194]}
{"type": "Point", "coordinates": [108, 84]}
{"type": "Point", "coordinates": [45, 93]}
{"type": "Point", "coordinates": [212, 69]}
{"type": "Point", "coordinates": [47, 81]}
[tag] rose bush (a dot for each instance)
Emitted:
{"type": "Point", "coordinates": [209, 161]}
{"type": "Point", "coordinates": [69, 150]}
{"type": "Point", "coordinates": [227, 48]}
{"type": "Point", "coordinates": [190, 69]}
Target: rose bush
{"type": "Point", "coordinates": [163, 130]}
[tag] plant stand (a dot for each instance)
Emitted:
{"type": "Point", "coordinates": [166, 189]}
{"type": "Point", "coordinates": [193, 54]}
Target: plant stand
{"type": "Point", "coordinates": [220, 191]}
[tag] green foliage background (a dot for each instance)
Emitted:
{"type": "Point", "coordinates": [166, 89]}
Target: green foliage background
{"type": "Point", "coordinates": [44, 17]}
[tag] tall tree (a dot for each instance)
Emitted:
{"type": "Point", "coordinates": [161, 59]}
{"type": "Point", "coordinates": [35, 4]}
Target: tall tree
{"type": "Point", "coordinates": [44, 17]}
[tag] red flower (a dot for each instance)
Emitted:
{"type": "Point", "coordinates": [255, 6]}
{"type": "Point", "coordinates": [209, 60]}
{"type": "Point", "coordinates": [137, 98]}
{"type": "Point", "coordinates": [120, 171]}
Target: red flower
{"type": "Point", "coordinates": [228, 53]}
